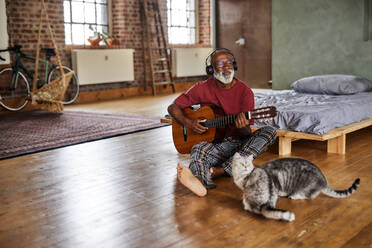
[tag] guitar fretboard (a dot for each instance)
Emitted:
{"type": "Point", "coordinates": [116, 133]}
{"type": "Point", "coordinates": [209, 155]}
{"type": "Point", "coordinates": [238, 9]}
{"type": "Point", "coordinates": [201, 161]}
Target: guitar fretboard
{"type": "Point", "coordinates": [223, 121]}
{"type": "Point", "coordinates": [261, 113]}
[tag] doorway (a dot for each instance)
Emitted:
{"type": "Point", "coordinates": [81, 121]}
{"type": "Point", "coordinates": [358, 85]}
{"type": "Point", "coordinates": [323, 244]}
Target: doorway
{"type": "Point", "coordinates": [244, 27]}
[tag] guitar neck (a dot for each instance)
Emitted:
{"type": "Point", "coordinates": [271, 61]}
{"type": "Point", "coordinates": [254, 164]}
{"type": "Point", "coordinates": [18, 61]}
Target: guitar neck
{"type": "Point", "coordinates": [223, 121]}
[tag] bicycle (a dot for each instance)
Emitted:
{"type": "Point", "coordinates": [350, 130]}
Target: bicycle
{"type": "Point", "coordinates": [15, 88]}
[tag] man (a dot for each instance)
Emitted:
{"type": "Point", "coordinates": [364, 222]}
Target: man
{"type": "Point", "coordinates": [222, 91]}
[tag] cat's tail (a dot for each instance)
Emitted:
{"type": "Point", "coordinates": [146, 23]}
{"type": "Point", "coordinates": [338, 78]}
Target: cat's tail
{"type": "Point", "coordinates": [342, 193]}
{"type": "Point", "coordinates": [277, 214]}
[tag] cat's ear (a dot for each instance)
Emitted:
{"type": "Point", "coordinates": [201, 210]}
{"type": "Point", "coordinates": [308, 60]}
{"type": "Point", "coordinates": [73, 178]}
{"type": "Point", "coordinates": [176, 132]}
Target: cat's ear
{"type": "Point", "coordinates": [237, 155]}
{"type": "Point", "coordinates": [250, 157]}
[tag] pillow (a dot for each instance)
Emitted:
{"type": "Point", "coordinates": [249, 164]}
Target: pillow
{"type": "Point", "coordinates": [332, 84]}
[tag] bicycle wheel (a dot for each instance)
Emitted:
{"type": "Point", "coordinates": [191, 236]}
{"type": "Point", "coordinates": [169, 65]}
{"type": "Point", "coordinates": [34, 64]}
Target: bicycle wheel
{"type": "Point", "coordinates": [13, 97]}
{"type": "Point", "coordinates": [72, 91]}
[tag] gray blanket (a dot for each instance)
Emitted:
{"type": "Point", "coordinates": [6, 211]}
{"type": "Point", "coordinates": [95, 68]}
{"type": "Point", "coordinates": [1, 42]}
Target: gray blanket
{"type": "Point", "coordinates": [311, 113]}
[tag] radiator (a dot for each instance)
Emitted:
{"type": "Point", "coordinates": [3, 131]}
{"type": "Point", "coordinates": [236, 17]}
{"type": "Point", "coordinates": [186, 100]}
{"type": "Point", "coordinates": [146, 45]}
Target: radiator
{"type": "Point", "coordinates": [94, 66]}
{"type": "Point", "coordinates": [189, 61]}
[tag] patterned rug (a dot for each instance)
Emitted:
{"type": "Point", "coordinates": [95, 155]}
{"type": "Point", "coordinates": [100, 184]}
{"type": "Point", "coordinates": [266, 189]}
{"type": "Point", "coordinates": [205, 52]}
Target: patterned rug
{"type": "Point", "coordinates": [28, 132]}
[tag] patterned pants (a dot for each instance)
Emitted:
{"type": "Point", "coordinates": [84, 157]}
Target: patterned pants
{"type": "Point", "coordinates": [206, 155]}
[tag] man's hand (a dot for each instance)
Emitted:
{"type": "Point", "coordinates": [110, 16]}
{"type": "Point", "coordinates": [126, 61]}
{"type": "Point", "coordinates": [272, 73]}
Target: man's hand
{"type": "Point", "coordinates": [195, 126]}
{"type": "Point", "coordinates": [242, 124]}
{"type": "Point", "coordinates": [241, 121]}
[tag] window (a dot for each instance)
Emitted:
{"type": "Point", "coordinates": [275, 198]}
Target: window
{"type": "Point", "coordinates": [181, 21]}
{"type": "Point", "coordinates": [83, 18]}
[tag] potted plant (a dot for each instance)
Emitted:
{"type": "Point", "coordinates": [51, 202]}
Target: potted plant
{"type": "Point", "coordinates": [99, 36]}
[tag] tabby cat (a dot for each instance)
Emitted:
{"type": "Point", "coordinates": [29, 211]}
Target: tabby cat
{"type": "Point", "coordinates": [294, 178]}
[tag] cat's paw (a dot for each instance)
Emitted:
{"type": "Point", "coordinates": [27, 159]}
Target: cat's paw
{"type": "Point", "coordinates": [246, 205]}
{"type": "Point", "coordinates": [288, 216]}
{"type": "Point", "coordinates": [297, 197]}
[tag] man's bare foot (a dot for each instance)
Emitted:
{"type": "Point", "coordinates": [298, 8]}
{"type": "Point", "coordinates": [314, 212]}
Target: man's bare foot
{"type": "Point", "coordinates": [191, 182]}
{"type": "Point", "coordinates": [216, 171]}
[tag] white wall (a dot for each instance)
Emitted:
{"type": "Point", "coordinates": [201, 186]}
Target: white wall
{"type": "Point", "coordinates": [3, 33]}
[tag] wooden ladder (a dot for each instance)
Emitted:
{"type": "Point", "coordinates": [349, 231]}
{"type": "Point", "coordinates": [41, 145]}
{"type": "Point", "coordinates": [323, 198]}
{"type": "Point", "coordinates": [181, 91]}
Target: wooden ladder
{"type": "Point", "coordinates": [155, 49]}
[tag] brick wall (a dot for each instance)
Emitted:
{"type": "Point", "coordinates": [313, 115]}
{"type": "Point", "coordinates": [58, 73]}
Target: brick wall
{"type": "Point", "coordinates": [23, 20]}
{"type": "Point", "coordinates": [23, 23]}
{"type": "Point", "coordinates": [204, 23]}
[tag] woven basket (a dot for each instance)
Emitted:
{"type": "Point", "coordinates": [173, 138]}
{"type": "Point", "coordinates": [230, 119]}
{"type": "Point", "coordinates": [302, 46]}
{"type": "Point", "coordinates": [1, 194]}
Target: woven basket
{"type": "Point", "coordinates": [49, 97]}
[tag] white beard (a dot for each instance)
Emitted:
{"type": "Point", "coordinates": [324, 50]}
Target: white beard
{"type": "Point", "coordinates": [222, 78]}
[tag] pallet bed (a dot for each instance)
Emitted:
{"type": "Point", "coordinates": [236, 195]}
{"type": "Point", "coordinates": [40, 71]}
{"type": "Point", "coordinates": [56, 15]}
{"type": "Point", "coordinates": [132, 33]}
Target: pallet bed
{"type": "Point", "coordinates": [320, 108]}
{"type": "Point", "coordinates": [336, 137]}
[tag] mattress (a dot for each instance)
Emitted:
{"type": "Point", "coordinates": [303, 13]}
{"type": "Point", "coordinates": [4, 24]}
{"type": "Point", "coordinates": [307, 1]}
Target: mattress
{"type": "Point", "coordinates": [312, 113]}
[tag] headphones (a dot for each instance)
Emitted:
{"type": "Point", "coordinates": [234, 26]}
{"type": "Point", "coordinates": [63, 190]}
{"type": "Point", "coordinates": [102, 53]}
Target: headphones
{"type": "Point", "coordinates": [208, 65]}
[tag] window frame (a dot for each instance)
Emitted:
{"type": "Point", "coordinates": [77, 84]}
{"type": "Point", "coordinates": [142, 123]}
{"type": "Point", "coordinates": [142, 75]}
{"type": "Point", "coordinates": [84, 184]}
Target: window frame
{"type": "Point", "coordinates": [108, 5]}
{"type": "Point", "coordinates": [196, 21]}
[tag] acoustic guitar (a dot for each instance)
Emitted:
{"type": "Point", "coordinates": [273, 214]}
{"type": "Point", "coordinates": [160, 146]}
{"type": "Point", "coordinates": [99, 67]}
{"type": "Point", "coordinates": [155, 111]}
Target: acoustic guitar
{"type": "Point", "coordinates": [184, 139]}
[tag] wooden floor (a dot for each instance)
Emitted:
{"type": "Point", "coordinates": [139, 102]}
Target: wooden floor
{"type": "Point", "coordinates": [123, 192]}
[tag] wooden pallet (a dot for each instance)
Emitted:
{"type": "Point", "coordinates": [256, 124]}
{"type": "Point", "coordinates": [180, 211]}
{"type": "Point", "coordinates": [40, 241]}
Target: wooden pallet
{"type": "Point", "coordinates": [336, 137]}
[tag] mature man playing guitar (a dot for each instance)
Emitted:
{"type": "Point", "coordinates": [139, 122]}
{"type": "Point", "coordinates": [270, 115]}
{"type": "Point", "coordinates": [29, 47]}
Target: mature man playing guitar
{"type": "Point", "coordinates": [227, 95]}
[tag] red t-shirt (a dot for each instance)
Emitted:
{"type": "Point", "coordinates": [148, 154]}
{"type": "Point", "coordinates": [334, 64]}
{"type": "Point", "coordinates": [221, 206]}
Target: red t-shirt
{"type": "Point", "coordinates": [235, 100]}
